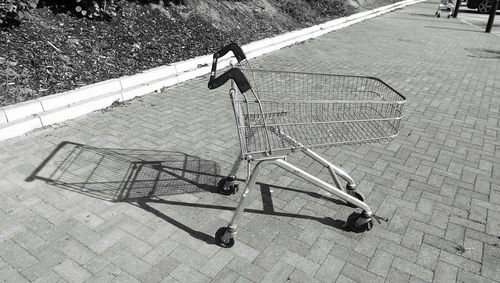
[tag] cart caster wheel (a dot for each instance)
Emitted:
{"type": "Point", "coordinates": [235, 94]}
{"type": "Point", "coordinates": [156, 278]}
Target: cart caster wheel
{"type": "Point", "coordinates": [227, 186]}
{"type": "Point", "coordinates": [219, 238]}
{"type": "Point", "coordinates": [359, 222]}
{"type": "Point", "coordinates": [448, 16]}
{"type": "Point", "coordinates": [357, 195]}
{"type": "Point", "coordinates": [439, 15]}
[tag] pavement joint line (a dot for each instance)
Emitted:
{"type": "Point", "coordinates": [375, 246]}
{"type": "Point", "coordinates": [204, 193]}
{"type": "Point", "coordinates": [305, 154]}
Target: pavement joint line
{"type": "Point", "coordinates": [12, 127]}
{"type": "Point", "coordinates": [476, 27]}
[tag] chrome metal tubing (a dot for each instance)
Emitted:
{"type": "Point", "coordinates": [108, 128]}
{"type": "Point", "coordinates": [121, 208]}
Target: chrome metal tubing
{"type": "Point", "coordinates": [233, 225]}
{"type": "Point", "coordinates": [322, 184]}
{"type": "Point", "coordinates": [343, 174]}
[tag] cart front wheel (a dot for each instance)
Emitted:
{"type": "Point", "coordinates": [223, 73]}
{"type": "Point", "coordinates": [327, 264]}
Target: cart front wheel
{"type": "Point", "coordinates": [359, 222]}
{"type": "Point", "coordinates": [227, 185]}
{"type": "Point", "coordinates": [223, 238]}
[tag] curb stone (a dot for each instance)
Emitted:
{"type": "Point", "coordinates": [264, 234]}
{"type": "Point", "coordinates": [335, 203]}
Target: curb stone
{"type": "Point", "coordinates": [26, 116]}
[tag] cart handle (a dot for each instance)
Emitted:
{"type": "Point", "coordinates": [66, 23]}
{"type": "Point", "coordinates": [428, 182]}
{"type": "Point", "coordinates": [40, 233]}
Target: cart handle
{"type": "Point", "coordinates": [234, 73]}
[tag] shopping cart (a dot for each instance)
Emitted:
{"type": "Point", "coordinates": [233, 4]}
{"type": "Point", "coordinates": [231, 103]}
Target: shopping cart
{"type": "Point", "coordinates": [446, 5]}
{"type": "Point", "coordinates": [280, 112]}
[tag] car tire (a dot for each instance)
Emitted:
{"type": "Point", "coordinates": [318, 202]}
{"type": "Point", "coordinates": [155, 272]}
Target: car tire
{"type": "Point", "coordinates": [484, 6]}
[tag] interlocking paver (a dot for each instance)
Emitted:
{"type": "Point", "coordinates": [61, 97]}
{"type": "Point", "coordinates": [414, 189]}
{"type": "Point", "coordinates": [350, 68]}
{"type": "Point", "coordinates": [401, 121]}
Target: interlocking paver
{"type": "Point", "coordinates": [330, 269]}
{"type": "Point", "coordinates": [380, 263]}
{"type": "Point", "coordinates": [71, 271]}
{"type": "Point", "coordinates": [282, 272]}
{"type": "Point", "coordinates": [445, 272]}
{"type": "Point", "coordinates": [437, 183]}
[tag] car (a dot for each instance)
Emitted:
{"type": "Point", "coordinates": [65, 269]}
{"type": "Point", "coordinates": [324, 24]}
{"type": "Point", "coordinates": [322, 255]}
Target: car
{"type": "Point", "coordinates": [482, 6]}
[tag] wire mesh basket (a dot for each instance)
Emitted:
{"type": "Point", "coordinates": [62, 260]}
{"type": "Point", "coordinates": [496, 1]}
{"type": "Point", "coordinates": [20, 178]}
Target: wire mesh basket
{"type": "Point", "coordinates": [315, 109]}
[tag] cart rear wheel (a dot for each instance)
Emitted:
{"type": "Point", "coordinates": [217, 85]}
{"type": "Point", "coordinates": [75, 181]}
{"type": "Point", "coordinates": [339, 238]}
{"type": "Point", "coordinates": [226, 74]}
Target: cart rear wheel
{"type": "Point", "coordinates": [227, 186]}
{"type": "Point", "coordinates": [223, 240]}
{"type": "Point", "coordinates": [359, 222]}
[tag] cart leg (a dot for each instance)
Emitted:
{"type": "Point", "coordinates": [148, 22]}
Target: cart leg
{"type": "Point", "coordinates": [224, 237]}
{"type": "Point", "coordinates": [357, 222]}
{"type": "Point", "coordinates": [335, 172]}
{"type": "Point", "coordinates": [228, 185]}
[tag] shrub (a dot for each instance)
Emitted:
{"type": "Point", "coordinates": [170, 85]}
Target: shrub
{"type": "Point", "coordinates": [96, 8]}
{"type": "Point", "coordinates": [13, 10]}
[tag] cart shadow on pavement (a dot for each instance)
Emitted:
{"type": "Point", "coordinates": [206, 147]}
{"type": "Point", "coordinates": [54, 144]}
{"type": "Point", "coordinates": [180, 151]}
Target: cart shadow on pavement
{"type": "Point", "coordinates": [143, 177]}
{"type": "Point", "coordinates": [115, 175]}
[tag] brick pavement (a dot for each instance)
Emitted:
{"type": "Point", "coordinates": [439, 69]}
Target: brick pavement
{"type": "Point", "coordinates": [438, 182]}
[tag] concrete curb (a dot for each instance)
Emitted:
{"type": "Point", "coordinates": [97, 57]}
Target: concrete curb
{"type": "Point", "coordinates": [20, 118]}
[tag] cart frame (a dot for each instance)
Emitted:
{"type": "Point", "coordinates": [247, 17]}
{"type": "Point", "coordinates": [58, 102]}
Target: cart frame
{"type": "Point", "coordinates": [268, 153]}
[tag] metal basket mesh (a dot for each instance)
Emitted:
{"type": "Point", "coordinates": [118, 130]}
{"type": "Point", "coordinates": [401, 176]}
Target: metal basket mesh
{"type": "Point", "coordinates": [315, 110]}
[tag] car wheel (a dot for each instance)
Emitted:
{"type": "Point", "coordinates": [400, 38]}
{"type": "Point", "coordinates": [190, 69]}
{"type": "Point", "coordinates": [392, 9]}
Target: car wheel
{"type": "Point", "coordinates": [484, 6]}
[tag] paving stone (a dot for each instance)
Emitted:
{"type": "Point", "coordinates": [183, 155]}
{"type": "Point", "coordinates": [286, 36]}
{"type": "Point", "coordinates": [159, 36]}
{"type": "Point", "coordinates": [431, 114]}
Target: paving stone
{"type": "Point", "coordinates": [397, 276]}
{"type": "Point", "coordinates": [344, 279]}
{"type": "Point", "coordinates": [189, 257]}
{"type": "Point", "coordinates": [226, 275]}
{"type": "Point", "coordinates": [246, 269]}
{"type": "Point", "coordinates": [215, 264]}
{"type": "Point", "coordinates": [78, 252]}
{"type": "Point", "coordinates": [131, 264]}
{"type": "Point", "coordinates": [473, 249]}
{"type": "Point", "coordinates": [460, 261]}
{"type": "Point", "coordinates": [445, 272]}
{"type": "Point", "coordinates": [380, 263]}
{"type": "Point", "coordinates": [16, 256]}
{"type": "Point", "coordinates": [455, 233]}
{"type": "Point", "coordinates": [71, 271]}
{"type": "Point", "coordinates": [398, 250]}
{"type": "Point", "coordinates": [428, 256]}
{"type": "Point", "coordinates": [439, 243]}
{"type": "Point", "coordinates": [50, 277]}
{"type": "Point", "coordinates": [106, 274]}
{"type": "Point", "coordinates": [412, 239]}
{"type": "Point", "coordinates": [468, 223]}
{"type": "Point", "coordinates": [282, 272]}
{"type": "Point", "coordinates": [160, 251]}
{"type": "Point", "coordinates": [291, 244]}
{"type": "Point", "coordinates": [160, 270]}
{"type": "Point", "coordinates": [491, 263]}
{"type": "Point", "coordinates": [330, 269]}
{"type": "Point", "coordinates": [244, 251]}
{"type": "Point", "coordinates": [350, 256]}
{"type": "Point", "coordinates": [9, 274]}
{"type": "Point", "coordinates": [413, 269]}
{"type": "Point", "coordinates": [270, 255]}
{"type": "Point", "coordinates": [466, 276]}
{"type": "Point", "coordinates": [367, 245]}
{"type": "Point", "coordinates": [299, 262]}
{"type": "Point", "coordinates": [360, 275]}
{"type": "Point", "coordinates": [28, 240]}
